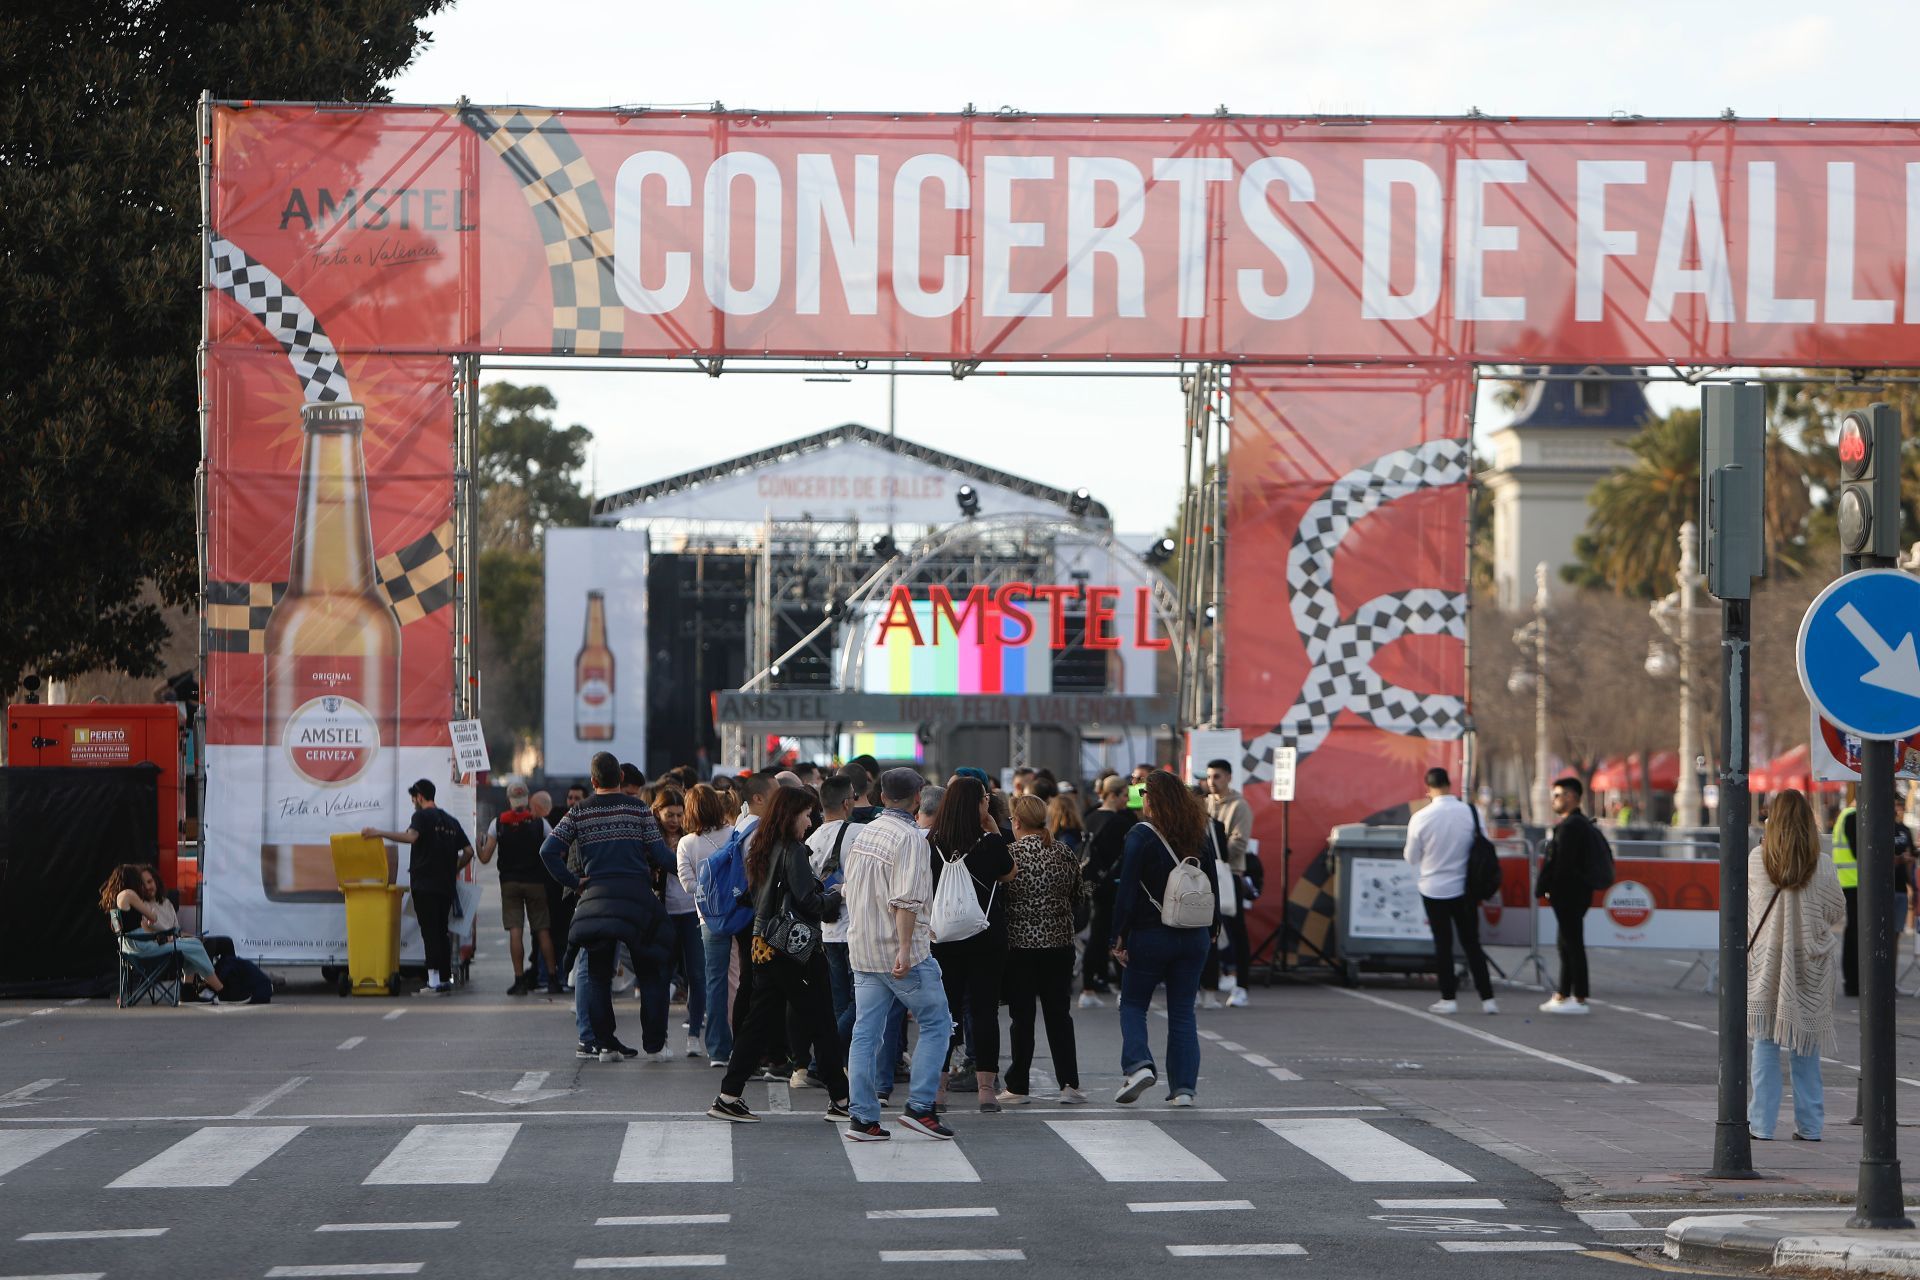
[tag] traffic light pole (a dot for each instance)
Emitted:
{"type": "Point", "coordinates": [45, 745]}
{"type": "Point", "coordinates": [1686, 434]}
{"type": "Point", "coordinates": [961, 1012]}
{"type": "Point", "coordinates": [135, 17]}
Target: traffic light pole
{"type": "Point", "coordinates": [1732, 1143]}
{"type": "Point", "coordinates": [1879, 1201]}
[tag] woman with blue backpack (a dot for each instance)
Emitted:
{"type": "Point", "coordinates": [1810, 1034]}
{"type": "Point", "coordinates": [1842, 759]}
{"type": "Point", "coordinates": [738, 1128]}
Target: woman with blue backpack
{"type": "Point", "coordinates": [1165, 914]}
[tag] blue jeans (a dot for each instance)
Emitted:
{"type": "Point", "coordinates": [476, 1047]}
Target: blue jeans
{"type": "Point", "coordinates": [874, 995]}
{"type": "Point", "coordinates": [582, 998]}
{"type": "Point", "coordinates": [1809, 1099]}
{"type": "Point", "coordinates": [716, 955]}
{"type": "Point", "coordinates": [887, 1065]}
{"type": "Point", "coordinates": [1174, 957]}
{"type": "Point", "coordinates": [683, 941]}
{"type": "Point", "coordinates": [840, 975]}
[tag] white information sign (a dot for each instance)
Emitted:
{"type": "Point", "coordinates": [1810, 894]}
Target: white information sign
{"type": "Point", "coordinates": [1286, 761]}
{"type": "Point", "coordinates": [469, 747]}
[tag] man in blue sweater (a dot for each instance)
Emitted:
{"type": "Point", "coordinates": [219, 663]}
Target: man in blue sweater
{"type": "Point", "coordinates": [619, 847]}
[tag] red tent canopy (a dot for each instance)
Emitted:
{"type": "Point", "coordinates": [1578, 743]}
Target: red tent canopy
{"type": "Point", "coordinates": [1623, 774]}
{"type": "Point", "coordinates": [1789, 769]}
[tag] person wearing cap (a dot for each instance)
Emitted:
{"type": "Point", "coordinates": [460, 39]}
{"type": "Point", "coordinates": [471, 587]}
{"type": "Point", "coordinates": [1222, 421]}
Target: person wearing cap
{"type": "Point", "coordinates": [441, 851]}
{"type": "Point", "coordinates": [516, 836]}
{"type": "Point", "coordinates": [889, 888]}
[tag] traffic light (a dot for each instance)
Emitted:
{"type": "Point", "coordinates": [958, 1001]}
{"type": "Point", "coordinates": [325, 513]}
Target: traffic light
{"type": "Point", "coordinates": [1733, 460]}
{"type": "Point", "coordinates": [1869, 506]}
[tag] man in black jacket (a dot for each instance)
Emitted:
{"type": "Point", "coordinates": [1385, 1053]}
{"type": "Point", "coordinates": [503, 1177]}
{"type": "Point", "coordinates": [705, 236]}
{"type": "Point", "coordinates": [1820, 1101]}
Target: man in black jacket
{"type": "Point", "coordinates": [441, 851]}
{"type": "Point", "coordinates": [620, 847]}
{"type": "Point", "coordinates": [1571, 850]}
{"type": "Point", "coordinates": [1107, 828]}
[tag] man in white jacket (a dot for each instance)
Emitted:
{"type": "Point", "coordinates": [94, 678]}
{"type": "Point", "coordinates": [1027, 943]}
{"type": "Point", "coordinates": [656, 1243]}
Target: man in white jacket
{"type": "Point", "coordinates": [1439, 837]}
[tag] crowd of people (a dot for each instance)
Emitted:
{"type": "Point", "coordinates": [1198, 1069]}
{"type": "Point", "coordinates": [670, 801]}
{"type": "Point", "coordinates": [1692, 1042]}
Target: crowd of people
{"type": "Point", "coordinates": [842, 930]}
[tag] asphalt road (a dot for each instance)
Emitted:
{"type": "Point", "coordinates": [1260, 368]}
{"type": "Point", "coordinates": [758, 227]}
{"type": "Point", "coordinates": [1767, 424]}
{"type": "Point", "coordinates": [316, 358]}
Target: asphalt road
{"type": "Point", "coordinates": [320, 1136]}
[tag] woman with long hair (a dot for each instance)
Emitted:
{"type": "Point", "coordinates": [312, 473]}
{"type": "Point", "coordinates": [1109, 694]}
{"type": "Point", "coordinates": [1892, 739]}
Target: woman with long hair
{"type": "Point", "coordinates": [1064, 824]}
{"type": "Point", "coordinates": [1040, 929]}
{"type": "Point", "coordinates": [780, 877]}
{"type": "Point", "coordinates": [132, 895]}
{"type": "Point", "coordinates": [683, 917]}
{"type": "Point", "coordinates": [1795, 914]}
{"type": "Point", "coordinates": [708, 828]}
{"type": "Point", "coordinates": [1172, 829]}
{"type": "Point", "coordinates": [965, 840]}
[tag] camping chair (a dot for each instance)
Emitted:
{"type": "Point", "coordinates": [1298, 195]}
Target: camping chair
{"type": "Point", "coordinates": [154, 979]}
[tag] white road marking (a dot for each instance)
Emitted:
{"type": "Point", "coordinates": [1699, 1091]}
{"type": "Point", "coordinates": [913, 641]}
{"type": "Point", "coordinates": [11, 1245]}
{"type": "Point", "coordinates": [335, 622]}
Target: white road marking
{"type": "Point", "coordinates": [1612, 1220]}
{"type": "Point", "coordinates": [779, 1096]}
{"type": "Point", "coordinates": [1512, 1246]}
{"type": "Point", "coordinates": [1691, 1026]}
{"type": "Point", "coordinates": [1361, 1153]}
{"type": "Point", "coordinates": [888, 1215]}
{"type": "Point", "coordinates": [351, 1042]}
{"type": "Point", "coordinates": [1444, 1202]}
{"type": "Point", "coordinates": [907, 1159]}
{"type": "Point", "coordinates": [64, 1275]}
{"type": "Point", "coordinates": [1186, 1206]}
{"type": "Point", "coordinates": [388, 1226]}
{"type": "Point", "coordinates": [41, 1013]}
{"type": "Point", "coordinates": [24, 1094]}
{"type": "Point", "coordinates": [1281, 1073]}
{"type": "Point", "coordinates": [210, 1157]}
{"type": "Point", "coordinates": [1231, 1047]}
{"type": "Point", "coordinates": [12, 1022]}
{"type": "Point", "coordinates": [676, 1151]}
{"type": "Point", "coordinates": [1209, 1035]}
{"type": "Point", "coordinates": [71, 1003]}
{"type": "Point", "coordinates": [952, 1255]}
{"type": "Point", "coordinates": [666, 1220]}
{"type": "Point", "coordinates": [348, 1269]}
{"type": "Point", "coordinates": [123, 1233]}
{"type": "Point", "coordinates": [437, 1154]}
{"type": "Point", "coordinates": [17, 1146]}
{"type": "Point", "coordinates": [572, 1114]}
{"type": "Point", "coordinates": [1258, 1060]}
{"type": "Point", "coordinates": [1133, 1151]}
{"type": "Point", "coordinates": [395, 1016]}
{"type": "Point", "coordinates": [651, 1260]}
{"type": "Point", "coordinates": [1611, 1077]}
{"type": "Point", "coordinates": [1237, 1250]}
{"type": "Point", "coordinates": [258, 1105]}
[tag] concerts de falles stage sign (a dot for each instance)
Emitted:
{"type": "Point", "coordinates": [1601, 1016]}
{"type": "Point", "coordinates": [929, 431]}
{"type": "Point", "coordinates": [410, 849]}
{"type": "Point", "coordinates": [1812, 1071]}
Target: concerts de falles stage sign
{"type": "Point", "coordinates": [1354, 269]}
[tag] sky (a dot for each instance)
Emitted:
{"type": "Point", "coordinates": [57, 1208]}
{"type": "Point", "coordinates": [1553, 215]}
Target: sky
{"type": "Point", "coordinates": [1118, 437]}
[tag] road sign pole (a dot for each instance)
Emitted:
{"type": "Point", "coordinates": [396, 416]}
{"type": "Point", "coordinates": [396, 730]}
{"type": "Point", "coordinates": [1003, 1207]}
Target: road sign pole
{"type": "Point", "coordinates": [1732, 1146]}
{"type": "Point", "coordinates": [1879, 1202]}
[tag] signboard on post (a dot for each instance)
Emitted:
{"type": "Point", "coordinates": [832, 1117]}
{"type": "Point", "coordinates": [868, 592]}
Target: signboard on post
{"type": "Point", "coordinates": [1856, 654]}
{"type": "Point", "coordinates": [469, 747]}
{"type": "Point", "coordinates": [1285, 762]}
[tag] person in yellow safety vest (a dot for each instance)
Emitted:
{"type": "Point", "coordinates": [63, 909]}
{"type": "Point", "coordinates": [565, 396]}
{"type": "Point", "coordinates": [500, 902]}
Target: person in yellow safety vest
{"type": "Point", "coordinates": [1848, 869]}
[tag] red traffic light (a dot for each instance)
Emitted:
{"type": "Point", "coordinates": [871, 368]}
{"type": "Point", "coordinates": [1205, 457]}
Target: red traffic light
{"type": "Point", "coordinates": [1856, 444]}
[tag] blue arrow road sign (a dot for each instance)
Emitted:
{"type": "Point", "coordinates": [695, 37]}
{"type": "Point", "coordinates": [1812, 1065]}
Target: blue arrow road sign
{"type": "Point", "coordinates": [1856, 653]}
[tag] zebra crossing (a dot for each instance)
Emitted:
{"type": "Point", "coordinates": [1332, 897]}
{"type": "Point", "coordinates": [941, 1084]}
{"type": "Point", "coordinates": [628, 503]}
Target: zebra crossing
{"type": "Point", "coordinates": [702, 1151]}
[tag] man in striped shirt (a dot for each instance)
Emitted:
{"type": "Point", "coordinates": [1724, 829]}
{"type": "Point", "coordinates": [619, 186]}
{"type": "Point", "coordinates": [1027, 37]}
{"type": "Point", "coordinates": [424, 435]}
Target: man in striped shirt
{"type": "Point", "coordinates": [889, 887]}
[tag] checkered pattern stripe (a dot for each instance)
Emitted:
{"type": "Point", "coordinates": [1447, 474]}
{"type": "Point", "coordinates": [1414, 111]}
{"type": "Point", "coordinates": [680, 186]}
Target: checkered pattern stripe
{"type": "Point", "coordinates": [416, 580]}
{"type": "Point", "coordinates": [267, 298]}
{"type": "Point", "coordinates": [574, 221]}
{"type": "Point", "coordinates": [1342, 646]}
{"type": "Point", "coordinates": [1312, 908]}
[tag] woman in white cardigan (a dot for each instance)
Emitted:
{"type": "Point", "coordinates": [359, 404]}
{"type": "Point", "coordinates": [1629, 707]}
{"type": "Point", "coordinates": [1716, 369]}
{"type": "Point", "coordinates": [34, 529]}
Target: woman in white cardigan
{"type": "Point", "coordinates": [1795, 914]}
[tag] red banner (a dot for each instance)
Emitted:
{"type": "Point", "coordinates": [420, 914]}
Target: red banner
{"type": "Point", "coordinates": [417, 229]}
{"type": "Point", "coordinates": [1354, 483]}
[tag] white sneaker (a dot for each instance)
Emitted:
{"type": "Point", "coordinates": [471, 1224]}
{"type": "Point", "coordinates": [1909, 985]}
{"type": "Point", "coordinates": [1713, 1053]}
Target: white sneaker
{"type": "Point", "coordinates": [1088, 1000]}
{"type": "Point", "coordinates": [1008, 1098]}
{"type": "Point", "coordinates": [1489, 1006]}
{"type": "Point", "coordinates": [1138, 1082]}
{"type": "Point", "coordinates": [693, 1047]}
{"type": "Point", "coordinates": [1444, 1006]}
{"type": "Point", "coordinates": [665, 1055]}
{"type": "Point", "coordinates": [1072, 1097]}
{"type": "Point", "coordinates": [1180, 1100]}
{"type": "Point", "coordinates": [1211, 1001]}
{"type": "Point", "coordinates": [1554, 1004]}
{"type": "Point", "coordinates": [1570, 1007]}
{"type": "Point", "coordinates": [1238, 1000]}
{"type": "Point", "coordinates": [1228, 982]}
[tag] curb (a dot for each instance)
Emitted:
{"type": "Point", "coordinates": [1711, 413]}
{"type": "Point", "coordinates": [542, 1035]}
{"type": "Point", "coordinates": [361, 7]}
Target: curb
{"type": "Point", "coordinates": [1786, 1241]}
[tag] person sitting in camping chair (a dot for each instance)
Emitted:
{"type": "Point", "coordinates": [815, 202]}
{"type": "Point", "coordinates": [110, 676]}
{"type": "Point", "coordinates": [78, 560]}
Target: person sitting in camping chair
{"type": "Point", "coordinates": [149, 927]}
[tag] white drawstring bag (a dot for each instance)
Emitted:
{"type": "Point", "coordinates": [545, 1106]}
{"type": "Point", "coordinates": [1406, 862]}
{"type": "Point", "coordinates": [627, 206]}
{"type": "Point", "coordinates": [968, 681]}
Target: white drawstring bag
{"type": "Point", "coordinates": [957, 913]}
{"type": "Point", "coordinates": [1189, 894]}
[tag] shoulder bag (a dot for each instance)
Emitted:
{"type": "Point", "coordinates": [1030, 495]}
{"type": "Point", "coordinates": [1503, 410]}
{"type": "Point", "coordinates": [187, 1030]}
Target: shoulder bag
{"type": "Point", "coordinates": [790, 936]}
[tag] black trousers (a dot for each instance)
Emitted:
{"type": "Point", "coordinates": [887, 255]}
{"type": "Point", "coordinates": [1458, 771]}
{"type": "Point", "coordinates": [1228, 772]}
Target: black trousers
{"type": "Point", "coordinates": [1447, 917]}
{"type": "Point", "coordinates": [1096, 968]}
{"type": "Point", "coordinates": [1570, 913]}
{"type": "Point", "coordinates": [1850, 945]}
{"type": "Point", "coordinates": [970, 969]}
{"type": "Point", "coordinates": [1045, 975]}
{"type": "Point", "coordinates": [433, 911]}
{"type": "Point", "coordinates": [777, 986]}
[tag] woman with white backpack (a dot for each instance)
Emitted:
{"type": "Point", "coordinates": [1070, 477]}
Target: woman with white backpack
{"type": "Point", "coordinates": [968, 922]}
{"type": "Point", "coordinates": [1165, 912]}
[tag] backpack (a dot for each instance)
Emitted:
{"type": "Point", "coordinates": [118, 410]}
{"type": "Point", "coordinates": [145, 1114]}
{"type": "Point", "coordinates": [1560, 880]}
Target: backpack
{"type": "Point", "coordinates": [1189, 894]}
{"type": "Point", "coordinates": [720, 889]}
{"type": "Point", "coordinates": [240, 979]}
{"type": "Point", "coordinates": [1483, 864]}
{"type": "Point", "coordinates": [957, 913]}
{"type": "Point", "coordinates": [1599, 861]}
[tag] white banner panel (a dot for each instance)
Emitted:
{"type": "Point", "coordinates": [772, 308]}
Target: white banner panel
{"type": "Point", "coordinates": [596, 681]}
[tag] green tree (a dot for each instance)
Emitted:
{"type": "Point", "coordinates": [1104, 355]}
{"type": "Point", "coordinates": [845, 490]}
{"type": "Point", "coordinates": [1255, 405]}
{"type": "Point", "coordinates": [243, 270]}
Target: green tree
{"type": "Point", "coordinates": [99, 291]}
{"type": "Point", "coordinates": [529, 473]}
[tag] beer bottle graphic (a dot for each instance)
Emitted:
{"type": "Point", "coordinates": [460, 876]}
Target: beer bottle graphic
{"type": "Point", "coordinates": [593, 677]}
{"type": "Point", "coordinates": [332, 671]}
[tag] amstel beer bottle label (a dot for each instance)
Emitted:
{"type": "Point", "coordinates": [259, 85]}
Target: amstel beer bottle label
{"type": "Point", "coordinates": [332, 739]}
{"type": "Point", "coordinates": [596, 698]}
{"type": "Point", "coordinates": [324, 779]}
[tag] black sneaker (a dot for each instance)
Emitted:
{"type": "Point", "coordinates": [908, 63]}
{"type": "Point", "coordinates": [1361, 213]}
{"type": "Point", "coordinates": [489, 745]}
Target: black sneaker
{"type": "Point", "coordinates": [735, 1111]}
{"type": "Point", "coordinates": [624, 1051]}
{"type": "Point", "coordinates": [925, 1122]}
{"type": "Point", "coordinates": [587, 1051]}
{"type": "Point", "coordinates": [519, 988]}
{"type": "Point", "coordinates": [885, 1100]}
{"type": "Point", "coordinates": [866, 1131]}
{"type": "Point", "coordinates": [837, 1111]}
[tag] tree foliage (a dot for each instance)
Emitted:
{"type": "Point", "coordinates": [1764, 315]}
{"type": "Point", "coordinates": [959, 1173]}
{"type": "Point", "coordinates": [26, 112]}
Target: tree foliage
{"type": "Point", "coordinates": [99, 291]}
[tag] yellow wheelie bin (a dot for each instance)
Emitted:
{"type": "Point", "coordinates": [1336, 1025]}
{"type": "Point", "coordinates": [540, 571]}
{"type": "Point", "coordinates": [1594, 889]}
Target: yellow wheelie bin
{"type": "Point", "coordinates": [373, 916]}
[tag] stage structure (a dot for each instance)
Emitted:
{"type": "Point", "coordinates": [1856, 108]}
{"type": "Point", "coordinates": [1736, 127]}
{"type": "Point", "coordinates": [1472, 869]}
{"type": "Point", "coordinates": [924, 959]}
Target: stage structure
{"type": "Point", "coordinates": [1327, 285]}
